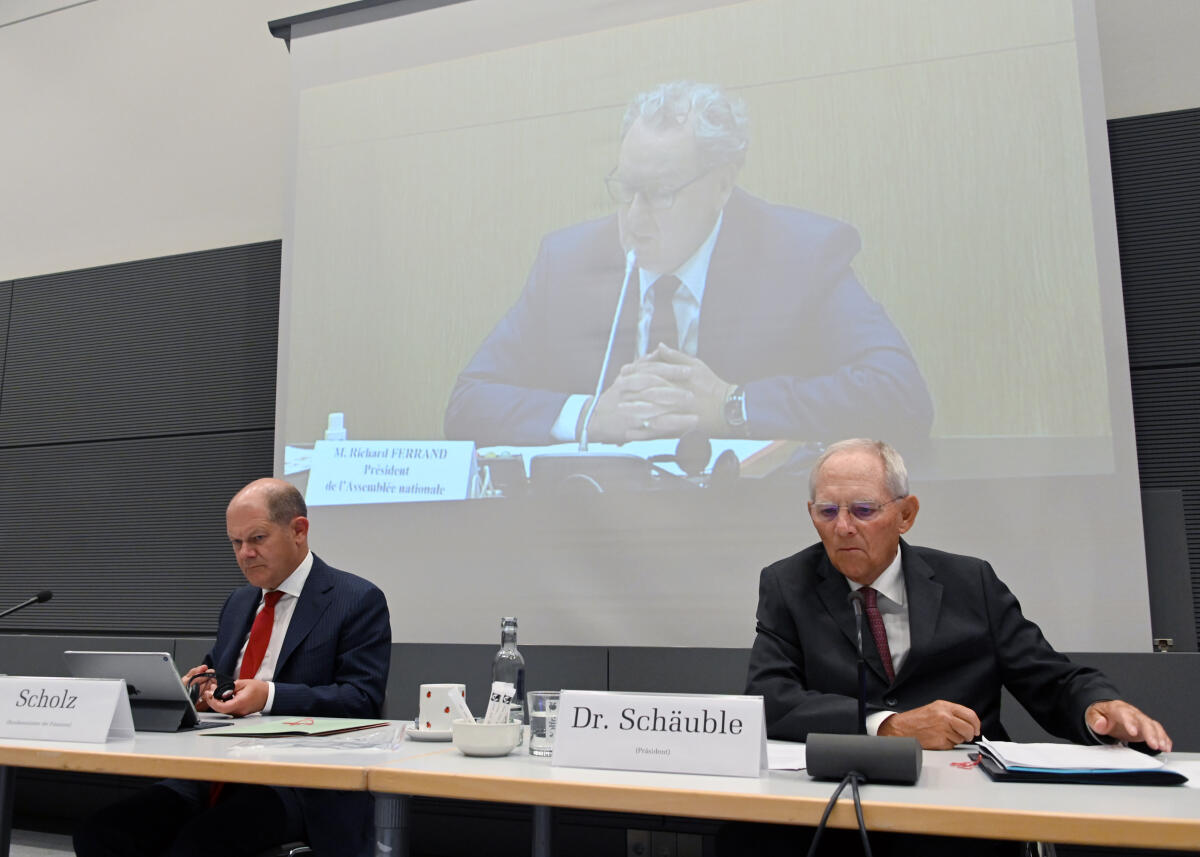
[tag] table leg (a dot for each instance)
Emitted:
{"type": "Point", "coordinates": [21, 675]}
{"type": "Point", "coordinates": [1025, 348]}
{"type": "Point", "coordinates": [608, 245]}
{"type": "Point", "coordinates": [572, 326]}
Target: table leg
{"type": "Point", "coordinates": [7, 785]}
{"type": "Point", "coordinates": [391, 825]}
{"type": "Point", "coordinates": [543, 831]}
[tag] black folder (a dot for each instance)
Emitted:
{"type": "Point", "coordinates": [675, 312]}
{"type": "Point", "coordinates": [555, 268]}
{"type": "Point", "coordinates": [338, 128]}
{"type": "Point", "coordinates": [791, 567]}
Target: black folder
{"type": "Point", "coordinates": [1153, 777]}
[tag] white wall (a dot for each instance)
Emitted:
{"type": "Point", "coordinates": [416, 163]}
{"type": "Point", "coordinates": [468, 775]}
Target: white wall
{"type": "Point", "coordinates": [141, 128]}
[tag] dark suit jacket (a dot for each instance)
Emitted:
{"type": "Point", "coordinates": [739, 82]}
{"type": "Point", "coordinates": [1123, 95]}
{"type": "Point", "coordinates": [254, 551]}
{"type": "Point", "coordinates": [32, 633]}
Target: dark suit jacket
{"type": "Point", "coordinates": [969, 639]}
{"type": "Point", "coordinates": [783, 314]}
{"type": "Point", "coordinates": [334, 663]}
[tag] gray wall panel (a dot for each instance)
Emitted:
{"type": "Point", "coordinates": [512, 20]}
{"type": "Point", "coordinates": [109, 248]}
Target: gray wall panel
{"type": "Point", "coordinates": [5, 301]}
{"type": "Point", "coordinates": [190, 651]}
{"type": "Point", "coordinates": [663, 670]}
{"type": "Point", "coordinates": [1156, 189]}
{"type": "Point", "coordinates": [178, 345]}
{"type": "Point", "coordinates": [130, 535]}
{"type": "Point", "coordinates": [1167, 405]}
{"type": "Point", "coordinates": [1156, 184]}
{"type": "Point", "coordinates": [29, 654]}
{"type": "Point", "coordinates": [136, 399]}
{"type": "Point", "coordinates": [1160, 684]}
{"type": "Point", "coordinates": [1171, 608]}
{"type": "Point", "coordinates": [547, 668]}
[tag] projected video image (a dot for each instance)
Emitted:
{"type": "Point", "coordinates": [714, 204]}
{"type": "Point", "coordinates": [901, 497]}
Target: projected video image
{"type": "Point", "coordinates": [523, 265]}
{"type": "Point", "coordinates": [870, 218]}
{"type": "Point", "coordinates": [738, 317]}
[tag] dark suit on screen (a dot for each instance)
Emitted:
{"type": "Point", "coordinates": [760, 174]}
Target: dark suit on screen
{"type": "Point", "coordinates": [334, 663]}
{"type": "Point", "coordinates": [783, 314]}
{"type": "Point", "coordinates": [968, 639]}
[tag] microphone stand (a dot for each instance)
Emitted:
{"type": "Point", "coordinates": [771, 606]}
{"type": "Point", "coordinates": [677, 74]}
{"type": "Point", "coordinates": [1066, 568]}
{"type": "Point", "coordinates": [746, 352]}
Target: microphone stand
{"type": "Point", "coordinates": [857, 601]}
{"type": "Point", "coordinates": [630, 265]}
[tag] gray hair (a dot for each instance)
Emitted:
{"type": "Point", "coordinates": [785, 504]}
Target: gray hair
{"type": "Point", "coordinates": [718, 120]}
{"type": "Point", "coordinates": [895, 474]}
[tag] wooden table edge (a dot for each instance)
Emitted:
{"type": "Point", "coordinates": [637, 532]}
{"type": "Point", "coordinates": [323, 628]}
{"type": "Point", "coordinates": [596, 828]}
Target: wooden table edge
{"type": "Point", "coordinates": [259, 771]}
{"type": "Point", "coordinates": [967, 821]}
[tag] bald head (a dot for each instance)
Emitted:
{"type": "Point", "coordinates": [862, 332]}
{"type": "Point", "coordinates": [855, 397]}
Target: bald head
{"type": "Point", "coordinates": [267, 524]}
{"type": "Point", "coordinates": [283, 500]}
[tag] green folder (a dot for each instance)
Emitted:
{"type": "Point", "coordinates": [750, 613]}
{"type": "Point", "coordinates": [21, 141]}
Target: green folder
{"type": "Point", "coordinates": [294, 726]}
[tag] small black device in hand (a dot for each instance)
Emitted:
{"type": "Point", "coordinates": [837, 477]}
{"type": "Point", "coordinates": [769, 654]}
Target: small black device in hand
{"type": "Point", "coordinates": [224, 690]}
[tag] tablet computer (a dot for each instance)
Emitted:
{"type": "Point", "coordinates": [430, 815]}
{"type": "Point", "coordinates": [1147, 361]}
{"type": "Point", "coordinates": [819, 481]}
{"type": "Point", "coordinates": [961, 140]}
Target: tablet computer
{"type": "Point", "coordinates": [157, 697]}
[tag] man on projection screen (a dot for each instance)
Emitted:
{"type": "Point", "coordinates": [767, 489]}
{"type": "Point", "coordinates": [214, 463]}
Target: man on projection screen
{"type": "Point", "coordinates": [743, 318]}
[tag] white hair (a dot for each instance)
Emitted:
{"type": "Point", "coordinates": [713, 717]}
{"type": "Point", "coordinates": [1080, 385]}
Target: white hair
{"type": "Point", "coordinates": [718, 120]}
{"type": "Point", "coordinates": [895, 474]}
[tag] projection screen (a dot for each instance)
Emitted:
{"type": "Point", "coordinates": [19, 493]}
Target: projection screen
{"type": "Point", "coordinates": [917, 244]}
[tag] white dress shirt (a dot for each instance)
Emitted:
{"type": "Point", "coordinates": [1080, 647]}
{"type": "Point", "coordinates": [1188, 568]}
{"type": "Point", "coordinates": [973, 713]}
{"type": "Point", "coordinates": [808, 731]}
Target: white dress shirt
{"type": "Point", "coordinates": [291, 588]}
{"type": "Point", "coordinates": [692, 274]}
{"type": "Point", "coordinates": [892, 601]}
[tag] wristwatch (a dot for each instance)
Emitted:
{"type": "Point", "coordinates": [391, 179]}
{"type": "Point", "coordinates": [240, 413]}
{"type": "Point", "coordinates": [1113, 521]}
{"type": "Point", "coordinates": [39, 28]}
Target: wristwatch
{"type": "Point", "coordinates": [735, 410]}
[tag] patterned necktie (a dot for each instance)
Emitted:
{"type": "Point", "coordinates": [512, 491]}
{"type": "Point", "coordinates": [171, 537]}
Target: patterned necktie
{"type": "Point", "coordinates": [662, 323]}
{"type": "Point", "coordinates": [260, 636]}
{"type": "Point", "coordinates": [875, 619]}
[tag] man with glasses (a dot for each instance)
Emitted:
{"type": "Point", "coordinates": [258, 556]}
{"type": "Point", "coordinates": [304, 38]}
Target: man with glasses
{"type": "Point", "coordinates": [742, 318]}
{"type": "Point", "coordinates": [945, 633]}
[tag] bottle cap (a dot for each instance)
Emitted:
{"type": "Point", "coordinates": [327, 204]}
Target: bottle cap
{"type": "Point", "coordinates": [336, 428]}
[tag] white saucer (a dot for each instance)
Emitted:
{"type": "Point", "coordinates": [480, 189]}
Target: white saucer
{"type": "Point", "coordinates": [427, 734]}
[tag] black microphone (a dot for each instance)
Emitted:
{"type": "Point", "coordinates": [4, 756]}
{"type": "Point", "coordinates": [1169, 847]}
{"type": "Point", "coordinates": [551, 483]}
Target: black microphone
{"type": "Point", "coordinates": [630, 266]}
{"type": "Point", "coordinates": [726, 470]}
{"type": "Point", "coordinates": [44, 595]}
{"type": "Point", "coordinates": [692, 453]}
{"type": "Point", "coordinates": [886, 759]}
{"type": "Point", "coordinates": [856, 599]}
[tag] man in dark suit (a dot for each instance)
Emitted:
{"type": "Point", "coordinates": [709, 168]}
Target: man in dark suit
{"type": "Point", "coordinates": [952, 634]}
{"type": "Point", "coordinates": [302, 638]}
{"type": "Point", "coordinates": [942, 635]}
{"type": "Point", "coordinates": [742, 318]}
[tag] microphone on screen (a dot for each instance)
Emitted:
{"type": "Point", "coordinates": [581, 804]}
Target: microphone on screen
{"type": "Point", "coordinates": [630, 267]}
{"type": "Point", "coordinates": [692, 454]}
{"type": "Point", "coordinates": [41, 597]}
{"type": "Point", "coordinates": [594, 474]}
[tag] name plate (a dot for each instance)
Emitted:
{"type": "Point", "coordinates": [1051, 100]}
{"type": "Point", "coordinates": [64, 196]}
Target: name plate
{"type": "Point", "coordinates": [674, 733]}
{"type": "Point", "coordinates": [390, 471]}
{"type": "Point", "coordinates": [64, 709]}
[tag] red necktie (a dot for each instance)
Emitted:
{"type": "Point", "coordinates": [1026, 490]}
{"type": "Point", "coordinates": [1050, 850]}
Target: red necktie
{"type": "Point", "coordinates": [878, 631]}
{"type": "Point", "coordinates": [260, 636]}
{"type": "Point", "coordinates": [256, 648]}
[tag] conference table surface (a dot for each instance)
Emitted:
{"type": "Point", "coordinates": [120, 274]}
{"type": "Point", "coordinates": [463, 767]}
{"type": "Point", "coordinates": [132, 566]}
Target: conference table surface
{"type": "Point", "coordinates": [948, 799]}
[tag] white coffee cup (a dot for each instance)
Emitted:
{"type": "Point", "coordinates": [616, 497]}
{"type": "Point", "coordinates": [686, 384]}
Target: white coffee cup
{"type": "Point", "coordinates": [434, 713]}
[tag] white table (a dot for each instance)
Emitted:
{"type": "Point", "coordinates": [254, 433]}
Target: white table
{"type": "Point", "coordinates": [947, 800]}
{"type": "Point", "coordinates": [197, 755]}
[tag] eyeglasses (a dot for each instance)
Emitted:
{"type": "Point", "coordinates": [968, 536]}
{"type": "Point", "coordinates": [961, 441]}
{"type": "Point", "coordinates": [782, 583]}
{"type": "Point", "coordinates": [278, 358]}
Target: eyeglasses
{"type": "Point", "coordinates": [654, 197]}
{"type": "Point", "coordinates": [862, 511]}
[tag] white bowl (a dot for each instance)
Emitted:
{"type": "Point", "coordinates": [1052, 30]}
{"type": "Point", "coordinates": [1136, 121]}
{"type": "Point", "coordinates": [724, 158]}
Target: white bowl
{"type": "Point", "coordinates": [485, 739]}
